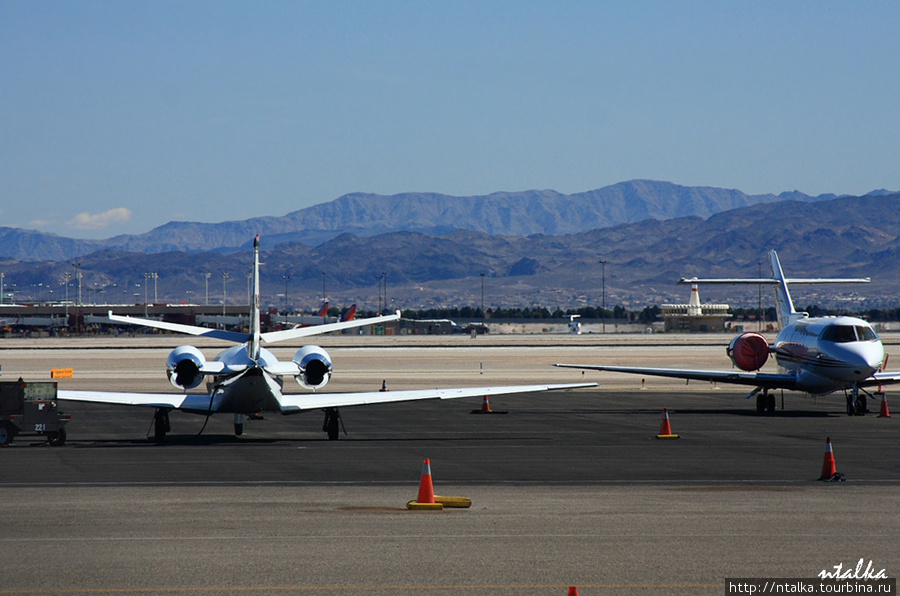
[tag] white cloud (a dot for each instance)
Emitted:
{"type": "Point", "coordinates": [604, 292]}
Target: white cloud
{"type": "Point", "coordinates": [86, 221]}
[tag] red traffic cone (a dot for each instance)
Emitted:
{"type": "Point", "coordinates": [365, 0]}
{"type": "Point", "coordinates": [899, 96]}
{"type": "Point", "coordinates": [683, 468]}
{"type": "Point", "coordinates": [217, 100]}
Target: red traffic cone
{"type": "Point", "coordinates": [426, 489]}
{"type": "Point", "coordinates": [486, 407]}
{"type": "Point", "coordinates": [573, 591]}
{"type": "Point", "coordinates": [425, 500]}
{"type": "Point", "coordinates": [828, 468]}
{"type": "Point", "coordinates": [665, 429]}
{"type": "Point", "coordinates": [885, 413]}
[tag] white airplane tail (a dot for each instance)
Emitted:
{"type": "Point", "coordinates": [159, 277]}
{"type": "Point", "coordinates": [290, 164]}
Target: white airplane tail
{"type": "Point", "coordinates": [784, 306]}
{"type": "Point", "coordinates": [255, 337]}
{"type": "Point", "coordinates": [254, 341]}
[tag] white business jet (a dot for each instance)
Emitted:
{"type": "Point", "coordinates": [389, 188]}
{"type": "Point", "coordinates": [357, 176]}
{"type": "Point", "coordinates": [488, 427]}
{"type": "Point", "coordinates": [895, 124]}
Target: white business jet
{"type": "Point", "coordinates": [815, 355]}
{"type": "Point", "coordinates": [247, 379]}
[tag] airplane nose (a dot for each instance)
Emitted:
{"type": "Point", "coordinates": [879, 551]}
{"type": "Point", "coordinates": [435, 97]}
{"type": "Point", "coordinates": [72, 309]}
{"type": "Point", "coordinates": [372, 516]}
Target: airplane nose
{"type": "Point", "coordinates": [862, 361]}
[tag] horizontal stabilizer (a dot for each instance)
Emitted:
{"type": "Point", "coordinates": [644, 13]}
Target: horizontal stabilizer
{"type": "Point", "coordinates": [180, 328]}
{"type": "Point", "coordinates": [276, 336]}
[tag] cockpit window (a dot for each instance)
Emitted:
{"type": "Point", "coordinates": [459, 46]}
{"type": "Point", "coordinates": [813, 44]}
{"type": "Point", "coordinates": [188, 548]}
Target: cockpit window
{"type": "Point", "coordinates": [866, 334]}
{"type": "Point", "coordinates": [838, 333]}
{"type": "Point", "coordinates": [847, 333]}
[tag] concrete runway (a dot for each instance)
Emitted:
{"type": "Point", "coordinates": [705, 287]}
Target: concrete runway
{"type": "Point", "coordinates": [568, 488]}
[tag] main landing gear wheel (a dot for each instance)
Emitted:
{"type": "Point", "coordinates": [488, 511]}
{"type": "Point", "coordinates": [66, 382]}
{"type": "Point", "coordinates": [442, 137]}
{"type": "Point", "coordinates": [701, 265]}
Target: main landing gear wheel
{"type": "Point", "coordinates": [161, 424]}
{"type": "Point", "coordinates": [332, 423]}
{"type": "Point", "coordinates": [765, 402]}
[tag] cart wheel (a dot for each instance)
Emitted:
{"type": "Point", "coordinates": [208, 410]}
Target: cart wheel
{"type": "Point", "coordinates": [58, 438]}
{"type": "Point", "coordinates": [7, 433]}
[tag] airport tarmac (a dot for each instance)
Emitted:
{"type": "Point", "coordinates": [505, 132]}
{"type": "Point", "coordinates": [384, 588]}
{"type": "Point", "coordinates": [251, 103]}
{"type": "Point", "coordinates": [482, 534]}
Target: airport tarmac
{"type": "Point", "coordinates": [568, 488]}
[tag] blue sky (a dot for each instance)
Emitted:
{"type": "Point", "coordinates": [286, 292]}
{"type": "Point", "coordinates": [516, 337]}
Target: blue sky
{"type": "Point", "coordinates": [121, 116]}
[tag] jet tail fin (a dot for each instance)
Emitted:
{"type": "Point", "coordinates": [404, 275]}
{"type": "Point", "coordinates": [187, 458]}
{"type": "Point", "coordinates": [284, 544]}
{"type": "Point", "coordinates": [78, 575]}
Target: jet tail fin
{"type": "Point", "coordinates": [254, 343]}
{"type": "Point", "coordinates": [349, 313]}
{"type": "Point", "coordinates": [784, 306]}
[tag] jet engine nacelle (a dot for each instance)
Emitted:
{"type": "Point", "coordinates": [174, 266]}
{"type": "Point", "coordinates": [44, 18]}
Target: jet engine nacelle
{"type": "Point", "coordinates": [749, 351]}
{"type": "Point", "coordinates": [183, 367]}
{"type": "Point", "coordinates": [315, 367]}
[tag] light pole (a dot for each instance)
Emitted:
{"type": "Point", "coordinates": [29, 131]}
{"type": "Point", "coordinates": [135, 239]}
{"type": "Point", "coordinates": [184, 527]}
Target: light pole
{"type": "Point", "coordinates": [482, 302]}
{"type": "Point", "coordinates": [208, 275]}
{"type": "Point", "coordinates": [2, 277]}
{"type": "Point", "coordinates": [603, 299]}
{"type": "Point", "coordinates": [285, 278]}
{"type": "Point", "coordinates": [146, 285]}
{"type": "Point", "coordinates": [77, 281]}
{"type": "Point", "coordinates": [225, 277]}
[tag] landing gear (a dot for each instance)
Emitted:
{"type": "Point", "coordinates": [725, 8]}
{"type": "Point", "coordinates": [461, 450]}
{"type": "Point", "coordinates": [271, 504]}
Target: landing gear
{"type": "Point", "coordinates": [765, 402]}
{"type": "Point", "coordinates": [161, 424]}
{"type": "Point", "coordinates": [238, 425]}
{"type": "Point", "coordinates": [857, 405]}
{"type": "Point", "coordinates": [332, 423]}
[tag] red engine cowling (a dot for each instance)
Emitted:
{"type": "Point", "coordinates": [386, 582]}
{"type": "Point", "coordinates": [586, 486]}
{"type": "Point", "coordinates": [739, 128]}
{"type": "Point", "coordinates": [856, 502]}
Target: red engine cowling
{"type": "Point", "coordinates": [749, 351]}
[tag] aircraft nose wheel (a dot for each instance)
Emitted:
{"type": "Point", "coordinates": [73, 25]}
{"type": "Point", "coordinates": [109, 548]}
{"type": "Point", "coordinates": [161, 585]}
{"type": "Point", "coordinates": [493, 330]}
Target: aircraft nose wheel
{"type": "Point", "coordinates": [857, 404]}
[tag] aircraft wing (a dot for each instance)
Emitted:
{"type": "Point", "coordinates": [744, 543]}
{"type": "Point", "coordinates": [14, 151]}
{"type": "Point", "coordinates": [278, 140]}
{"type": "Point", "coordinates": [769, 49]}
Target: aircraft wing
{"type": "Point", "coordinates": [765, 380]}
{"type": "Point", "coordinates": [313, 401]}
{"type": "Point", "coordinates": [154, 400]}
{"type": "Point", "coordinates": [274, 336]}
{"type": "Point", "coordinates": [882, 378]}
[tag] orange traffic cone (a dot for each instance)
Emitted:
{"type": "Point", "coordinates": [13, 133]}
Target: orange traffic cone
{"type": "Point", "coordinates": [426, 489]}
{"type": "Point", "coordinates": [573, 591]}
{"type": "Point", "coordinates": [486, 407]}
{"type": "Point", "coordinates": [665, 429]}
{"type": "Point", "coordinates": [425, 500]}
{"type": "Point", "coordinates": [828, 468]}
{"type": "Point", "coordinates": [885, 413]}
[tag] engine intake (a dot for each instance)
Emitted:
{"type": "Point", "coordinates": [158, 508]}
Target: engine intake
{"type": "Point", "coordinates": [315, 367]}
{"type": "Point", "coordinates": [183, 367]}
{"type": "Point", "coordinates": [748, 351]}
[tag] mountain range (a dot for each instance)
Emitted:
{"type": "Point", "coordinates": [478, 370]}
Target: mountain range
{"type": "Point", "coordinates": [502, 213]}
{"type": "Point", "coordinates": [828, 237]}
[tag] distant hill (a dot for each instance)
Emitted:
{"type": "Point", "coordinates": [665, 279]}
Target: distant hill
{"type": "Point", "coordinates": [850, 236]}
{"type": "Point", "coordinates": [502, 213]}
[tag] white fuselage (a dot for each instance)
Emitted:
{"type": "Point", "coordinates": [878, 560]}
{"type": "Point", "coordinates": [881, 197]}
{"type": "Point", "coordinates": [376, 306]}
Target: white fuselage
{"type": "Point", "coordinates": [829, 353]}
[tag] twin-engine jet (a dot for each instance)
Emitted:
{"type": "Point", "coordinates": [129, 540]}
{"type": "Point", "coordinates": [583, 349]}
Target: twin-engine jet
{"type": "Point", "coordinates": [815, 355]}
{"type": "Point", "coordinates": [247, 379]}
